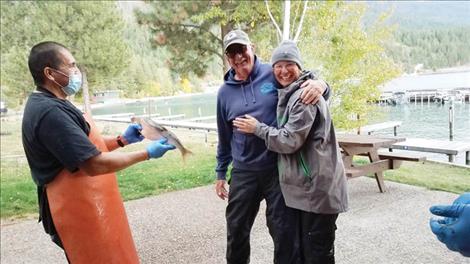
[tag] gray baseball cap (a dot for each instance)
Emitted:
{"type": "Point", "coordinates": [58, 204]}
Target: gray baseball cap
{"type": "Point", "coordinates": [236, 36]}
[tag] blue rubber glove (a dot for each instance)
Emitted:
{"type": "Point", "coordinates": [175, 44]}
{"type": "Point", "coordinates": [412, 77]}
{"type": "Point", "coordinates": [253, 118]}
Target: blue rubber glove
{"type": "Point", "coordinates": [132, 133]}
{"type": "Point", "coordinates": [157, 148]}
{"type": "Point", "coordinates": [454, 229]}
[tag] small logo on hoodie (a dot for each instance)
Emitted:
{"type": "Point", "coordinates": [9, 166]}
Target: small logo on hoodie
{"type": "Point", "coordinates": [268, 88]}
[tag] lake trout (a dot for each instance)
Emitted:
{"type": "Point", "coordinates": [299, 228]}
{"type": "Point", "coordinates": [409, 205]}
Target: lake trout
{"type": "Point", "coordinates": [154, 131]}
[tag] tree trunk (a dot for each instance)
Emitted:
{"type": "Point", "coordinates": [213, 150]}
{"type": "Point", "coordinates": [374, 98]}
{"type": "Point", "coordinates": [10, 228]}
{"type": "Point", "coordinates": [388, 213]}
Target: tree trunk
{"type": "Point", "coordinates": [86, 93]}
{"type": "Point", "coordinates": [286, 26]}
{"type": "Point", "coordinates": [224, 29]}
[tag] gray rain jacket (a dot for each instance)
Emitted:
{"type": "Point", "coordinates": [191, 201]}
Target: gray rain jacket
{"type": "Point", "coordinates": [311, 169]}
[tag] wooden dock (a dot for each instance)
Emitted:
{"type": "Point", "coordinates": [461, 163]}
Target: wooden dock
{"type": "Point", "coordinates": [449, 148]}
{"type": "Point", "coordinates": [369, 129]}
{"type": "Point", "coordinates": [201, 118]}
{"type": "Point", "coordinates": [167, 121]}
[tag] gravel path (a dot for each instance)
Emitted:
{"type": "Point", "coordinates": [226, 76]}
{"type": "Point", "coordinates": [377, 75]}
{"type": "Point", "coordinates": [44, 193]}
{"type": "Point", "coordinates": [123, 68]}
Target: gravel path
{"type": "Point", "coordinates": [189, 227]}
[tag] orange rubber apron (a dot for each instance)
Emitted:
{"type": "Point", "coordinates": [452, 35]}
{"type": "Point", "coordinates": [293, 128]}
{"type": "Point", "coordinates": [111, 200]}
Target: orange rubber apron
{"type": "Point", "coordinates": [89, 216]}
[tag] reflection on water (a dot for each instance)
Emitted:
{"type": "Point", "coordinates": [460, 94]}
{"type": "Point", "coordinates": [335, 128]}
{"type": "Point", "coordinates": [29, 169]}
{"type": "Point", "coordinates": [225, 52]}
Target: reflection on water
{"type": "Point", "coordinates": [430, 121]}
{"type": "Point", "coordinates": [192, 106]}
{"type": "Point", "coordinates": [427, 120]}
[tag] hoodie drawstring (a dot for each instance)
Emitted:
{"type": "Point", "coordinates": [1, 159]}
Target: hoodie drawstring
{"type": "Point", "coordinates": [244, 95]}
{"type": "Point", "coordinates": [252, 91]}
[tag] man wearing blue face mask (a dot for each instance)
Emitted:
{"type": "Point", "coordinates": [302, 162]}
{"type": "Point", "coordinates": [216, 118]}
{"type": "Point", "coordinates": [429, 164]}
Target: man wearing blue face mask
{"type": "Point", "coordinates": [74, 166]}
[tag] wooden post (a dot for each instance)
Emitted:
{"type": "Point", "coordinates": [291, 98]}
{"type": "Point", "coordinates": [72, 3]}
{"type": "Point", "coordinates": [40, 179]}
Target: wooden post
{"type": "Point", "coordinates": [451, 158]}
{"type": "Point", "coordinates": [467, 157]}
{"type": "Point", "coordinates": [451, 120]}
{"type": "Point", "coordinates": [359, 128]}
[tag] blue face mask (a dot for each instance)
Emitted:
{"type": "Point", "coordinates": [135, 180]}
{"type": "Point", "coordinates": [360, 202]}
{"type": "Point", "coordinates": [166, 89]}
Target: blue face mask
{"type": "Point", "coordinates": [74, 85]}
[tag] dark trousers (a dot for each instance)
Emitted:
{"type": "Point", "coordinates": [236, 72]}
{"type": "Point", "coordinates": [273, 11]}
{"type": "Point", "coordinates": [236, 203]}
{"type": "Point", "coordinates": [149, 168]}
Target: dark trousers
{"type": "Point", "coordinates": [247, 190]}
{"type": "Point", "coordinates": [317, 237]}
{"type": "Point", "coordinates": [46, 218]}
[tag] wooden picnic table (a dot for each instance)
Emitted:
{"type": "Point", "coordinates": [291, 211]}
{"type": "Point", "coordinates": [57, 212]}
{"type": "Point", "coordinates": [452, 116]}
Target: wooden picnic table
{"type": "Point", "coordinates": [366, 145]}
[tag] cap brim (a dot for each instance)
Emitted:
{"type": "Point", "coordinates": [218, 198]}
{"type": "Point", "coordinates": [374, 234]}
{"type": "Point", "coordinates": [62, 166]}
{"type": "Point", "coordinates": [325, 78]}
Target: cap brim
{"type": "Point", "coordinates": [236, 41]}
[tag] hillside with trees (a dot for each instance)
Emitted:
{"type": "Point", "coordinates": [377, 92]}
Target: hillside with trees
{"type": "Point", "coordinates": [433, 48]}
{"type": "Point", "coordinates": [168, 48]}
{"type": "Point", "coordinates": [432, 33]}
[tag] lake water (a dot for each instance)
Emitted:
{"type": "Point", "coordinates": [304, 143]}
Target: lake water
{"type": "Point", "coordinates": [427, 120]}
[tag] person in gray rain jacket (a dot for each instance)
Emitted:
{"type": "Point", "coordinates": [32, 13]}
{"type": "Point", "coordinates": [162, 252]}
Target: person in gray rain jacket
{"type": "Point", "coordinates": [311, 171]}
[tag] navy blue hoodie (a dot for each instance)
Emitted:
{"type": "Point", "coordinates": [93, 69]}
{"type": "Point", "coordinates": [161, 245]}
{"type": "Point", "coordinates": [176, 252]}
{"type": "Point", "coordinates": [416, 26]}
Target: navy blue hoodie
{"type": "Point", "coordinates": [256, 96]}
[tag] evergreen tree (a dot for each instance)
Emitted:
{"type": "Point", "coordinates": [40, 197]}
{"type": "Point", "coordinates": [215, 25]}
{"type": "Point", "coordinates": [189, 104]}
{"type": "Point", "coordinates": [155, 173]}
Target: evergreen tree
{"type": "Point", "coordinates": [333, 40]}
{"type": "Point", "coordinates": [434, 48]}
{"type": "Point", "coordinates": [93, 31]}
{"type": "Point", "coordinates": [192, 31]}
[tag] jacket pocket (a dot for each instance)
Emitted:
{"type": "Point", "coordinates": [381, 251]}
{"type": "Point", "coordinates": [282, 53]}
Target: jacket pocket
{"type": "Point", "coordinates": [304, 168]}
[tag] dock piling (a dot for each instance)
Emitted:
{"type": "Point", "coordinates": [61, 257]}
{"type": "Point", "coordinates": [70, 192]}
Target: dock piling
{"type": "Point", "coordinates": [451, 120]}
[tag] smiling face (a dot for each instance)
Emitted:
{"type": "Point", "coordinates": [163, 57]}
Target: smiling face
{"type": "Point", "coordinates": [242, 59]}
{"type": "Point", "coordinates": [286, 72]}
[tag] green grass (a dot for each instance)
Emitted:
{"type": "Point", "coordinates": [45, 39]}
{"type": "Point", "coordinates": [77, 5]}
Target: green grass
{"type": "Point", "coordinates": [433, 176]}
{"type": "Point", "coordinates": [169, 173]}
{"type": "Point", "coordinates": [18, 192]}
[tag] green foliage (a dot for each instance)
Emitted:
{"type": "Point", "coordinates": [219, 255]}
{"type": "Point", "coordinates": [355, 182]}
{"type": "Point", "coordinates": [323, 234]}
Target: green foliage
{"type": "Point", "coordinates": [192, 30]}
{"type": "Point", "coordinates": [93, 31]}
{"type": "Point", "coordinates": [352, 60]}
{"type": "Point", "coordinates": [434, 48]}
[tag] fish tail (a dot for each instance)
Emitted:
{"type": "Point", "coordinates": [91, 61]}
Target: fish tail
{"type": "Point", "coordinates": [185, 152]}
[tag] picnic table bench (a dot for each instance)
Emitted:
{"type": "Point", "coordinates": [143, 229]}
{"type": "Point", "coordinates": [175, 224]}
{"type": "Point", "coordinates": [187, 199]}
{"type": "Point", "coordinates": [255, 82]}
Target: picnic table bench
{"type": "Point", "coordinates": [369, 146]}
{"type": "Point", "coordinates": [450, 148]}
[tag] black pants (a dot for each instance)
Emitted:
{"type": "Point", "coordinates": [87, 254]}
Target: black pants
{"type": "Point", "coordinates": [247, 190]}
{"type": "Point", "coordinates": [46, 218]}
{"type": "Point", "coordinates": [317, 237]}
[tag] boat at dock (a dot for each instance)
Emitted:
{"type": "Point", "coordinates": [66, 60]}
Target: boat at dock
{"type": "Point", "coordinates": [441, 87]}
